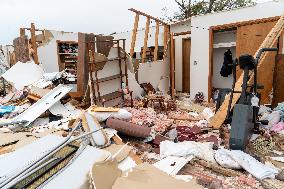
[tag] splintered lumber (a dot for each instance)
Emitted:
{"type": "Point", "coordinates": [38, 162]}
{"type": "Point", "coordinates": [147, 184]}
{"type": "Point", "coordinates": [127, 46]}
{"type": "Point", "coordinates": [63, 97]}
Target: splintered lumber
{"type": "Point", "coordinates": [156, 41]}
{"type": "Point", "coordinates": [146, 39]}
{"type": "Point", "coordinates": [268, 42]}
{"type": "Point", "coordinates": [135, 158]}
{"type": "Point", "coordinates": [33, 41]}
{"type": "Point", "coordinates": [134, 33]}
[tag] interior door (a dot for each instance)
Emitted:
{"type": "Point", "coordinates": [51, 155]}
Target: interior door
{"type": "Point", "coordinates": [186, 47]}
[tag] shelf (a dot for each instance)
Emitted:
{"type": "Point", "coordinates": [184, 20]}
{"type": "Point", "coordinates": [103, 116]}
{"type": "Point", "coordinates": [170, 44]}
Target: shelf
{"type": "Point", "coordinates": [109, 78]}
{"type": "Point", "coordinates": [224, 45]}
{"type": "Point", "coordinates": [108, 60]}
{"type": "Point", "coordinates": [68, 53]}
{"type": "Point", "coordinates": [111, 96]}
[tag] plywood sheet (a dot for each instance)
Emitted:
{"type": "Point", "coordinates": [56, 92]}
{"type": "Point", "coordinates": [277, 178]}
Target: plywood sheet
{"type": "Point", "coordinates": [278, 82]}
{"type": "Point", "coordinates": [21, 49]}
{"type": "Point", "coordinates": [249, 38]}
{"type": "Point", "coordinates": [104, 44]}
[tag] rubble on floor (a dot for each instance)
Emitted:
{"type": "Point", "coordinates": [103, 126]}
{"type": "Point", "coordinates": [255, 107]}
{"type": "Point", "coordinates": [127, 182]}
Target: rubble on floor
{"type": "Point", "coordinates": [46, 137]}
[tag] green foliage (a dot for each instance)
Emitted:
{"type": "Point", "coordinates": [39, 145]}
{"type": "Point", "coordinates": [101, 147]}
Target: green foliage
{"type": "Point", "coordinates": [187, 8]}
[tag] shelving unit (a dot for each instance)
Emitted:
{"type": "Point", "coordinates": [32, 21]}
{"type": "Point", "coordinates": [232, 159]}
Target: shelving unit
{"type": "Point", "coordinates": [68, 57]}
{"type": "Point", "coordinates": [224, 45]}
{"type": "Point", "coordinates": [95, 66]}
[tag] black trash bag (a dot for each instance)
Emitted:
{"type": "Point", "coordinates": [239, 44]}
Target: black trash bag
{"type": "Point", "coordinates": [227, 68]}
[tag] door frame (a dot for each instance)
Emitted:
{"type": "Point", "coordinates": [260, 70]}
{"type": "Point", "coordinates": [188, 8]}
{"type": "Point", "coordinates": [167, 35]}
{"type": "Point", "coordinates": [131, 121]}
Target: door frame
{"type": "Point", "coordinates": [183, 60]}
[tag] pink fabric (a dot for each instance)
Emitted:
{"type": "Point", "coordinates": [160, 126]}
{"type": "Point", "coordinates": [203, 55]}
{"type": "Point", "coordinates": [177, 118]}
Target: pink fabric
{"type": "Point", "coordinates": [278, 127]}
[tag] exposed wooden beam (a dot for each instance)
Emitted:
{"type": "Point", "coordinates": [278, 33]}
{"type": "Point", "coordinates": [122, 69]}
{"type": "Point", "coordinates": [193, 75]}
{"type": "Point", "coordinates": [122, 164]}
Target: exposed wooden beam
{"type": "Point", "coordinates": [134, 33]}
{"type": "Point", "coordinates": [33, 43]}
{"type": "Point", "coordinates": [166, 38]}
{"type": "Point", "coordinates": [172, 66]}
{"type": "Point", "coordinates": [145, 39]}
{"type": "Point", "coordinates": [148, 16]}
{"type": "Point", "coordinates": [182, 33]}
{"type": "Point", "coordinates": [22, 32]}
{"type": "Point", "coordinates": [156, 41]}
{"type": "Point", "coordinates": [210, 75]}
{"type": "Point", "coordinates": [244, 23]}
{"type": "Point", "coordinates": [268, 42]}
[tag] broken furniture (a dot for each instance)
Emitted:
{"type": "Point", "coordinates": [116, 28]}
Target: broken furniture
{"type": "Point", "coordinates": [153, 99]}
{"type": "Point", "coordinates": [245, 111]}
{"type": "Point", "coordinates": [97, 63]}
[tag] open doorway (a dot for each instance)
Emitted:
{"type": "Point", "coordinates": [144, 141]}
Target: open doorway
{"type": "Point", "coordinates": [186, 48]}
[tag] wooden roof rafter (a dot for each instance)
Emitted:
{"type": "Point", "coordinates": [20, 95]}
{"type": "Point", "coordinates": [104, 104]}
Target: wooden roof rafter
{"type": "Point", "coordinates": [148, 16]}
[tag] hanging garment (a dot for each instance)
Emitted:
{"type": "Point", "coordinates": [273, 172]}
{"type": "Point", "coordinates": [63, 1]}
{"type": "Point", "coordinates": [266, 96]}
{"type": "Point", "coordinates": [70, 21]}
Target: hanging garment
{"type": "Point", "coordinates": [226, 69]}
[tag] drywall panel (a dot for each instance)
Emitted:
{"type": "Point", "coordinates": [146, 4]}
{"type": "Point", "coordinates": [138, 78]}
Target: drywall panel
{"type": "Point", "coordinates": [200, 37]}
{"type": "Point", "coordinates": [176, 28]}
{"type": "Point", "coordinates": [47, 52]}
{"type": "Point", "coordinates": [153, 72]}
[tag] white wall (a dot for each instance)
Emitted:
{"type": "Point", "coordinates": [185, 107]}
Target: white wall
{"type": "Point", "coordinates": [200, 37]}
{"type": "Point", "coordinates": [47, 52]}
{"type": "Point", "coordinates": [180, 27]}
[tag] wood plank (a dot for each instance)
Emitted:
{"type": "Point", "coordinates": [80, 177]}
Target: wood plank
{"type": "Point", "coordinates": [172, 67]}
{"type": "Point", "coordinates": [244, 23]}
{"type": "Point", "coordinates": [82, 63]}
{"type": "Point", "coordinates": [145, 40]}
{"type": "Point", "coordinates": [269, 41]}
{"type": "Point", "coordinates": [156, 41]}
{"type": "Point", "coordinates": [134, 33]}
{"type": "Point", "coordinates": [101, 80]}
{"type": "Point", "coordinates": [22, 32]}
{"type": "Point", "coordinates": [111, 96]}
{"type": "Point", "coordinates": [166, 39]}
{"type": "Point", "coordinates": [182, 33]}
{"type": "Point", "coordinates": [118, 141]}
{"type": "Point", "coordinates": [33, 43]}
{"type": "Point", "coordinates": [278, 81]}
{"type": "Point", "coordinates": [210, 75]}
{"type": "Point", "coordinates": [147, 15]}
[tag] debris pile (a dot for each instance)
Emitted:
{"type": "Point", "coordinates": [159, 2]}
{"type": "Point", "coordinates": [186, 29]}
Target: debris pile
{"type": "Point", "coordinates": [46, 136]}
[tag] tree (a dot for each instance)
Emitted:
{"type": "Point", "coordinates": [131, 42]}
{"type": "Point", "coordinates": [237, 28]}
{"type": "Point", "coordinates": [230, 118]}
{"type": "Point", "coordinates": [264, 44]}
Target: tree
{"type": "Point", "coordinates": [190, 8]}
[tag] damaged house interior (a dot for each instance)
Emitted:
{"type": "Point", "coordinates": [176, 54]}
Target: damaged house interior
{"type": "Point", "coordinates": [191, 103]}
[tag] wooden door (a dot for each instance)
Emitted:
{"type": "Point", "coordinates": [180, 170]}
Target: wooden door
{"type": "Point", "coordinates": [186, 47]}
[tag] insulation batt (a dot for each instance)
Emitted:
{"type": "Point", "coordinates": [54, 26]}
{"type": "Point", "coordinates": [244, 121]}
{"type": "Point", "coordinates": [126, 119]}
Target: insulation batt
{"type": "Point", "coordinates": [184, 149]}
{"type": "Point", "coordinates": [102, 116]}
{"type": "Point", "coordinates": [127, 128]}
{"type": "Point", "coordinates": [248, 163]}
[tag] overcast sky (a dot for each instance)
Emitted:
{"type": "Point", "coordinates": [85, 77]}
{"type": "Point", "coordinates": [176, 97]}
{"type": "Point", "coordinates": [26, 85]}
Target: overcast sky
{"type": "Point", "coordinates": [98, 16]}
